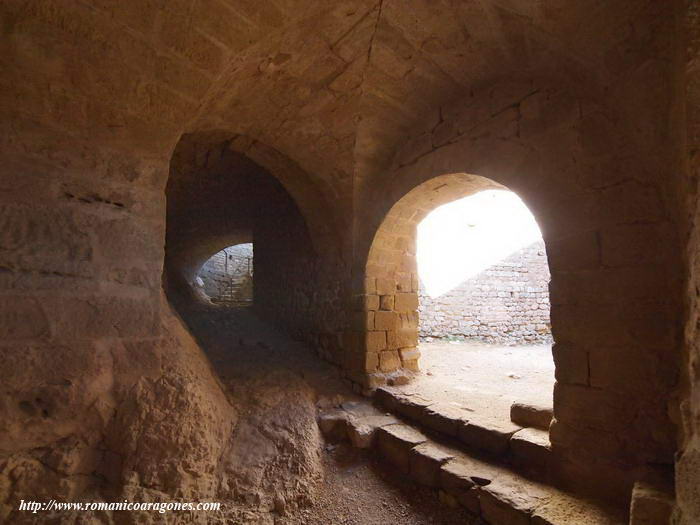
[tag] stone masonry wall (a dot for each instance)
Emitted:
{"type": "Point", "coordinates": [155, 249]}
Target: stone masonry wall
{"type": "Point", "coordinates": [95, 97]}
{"type": "Point", "coordinates": [228, 275]}
{"type": "Point", "coordinates": [508, 303]}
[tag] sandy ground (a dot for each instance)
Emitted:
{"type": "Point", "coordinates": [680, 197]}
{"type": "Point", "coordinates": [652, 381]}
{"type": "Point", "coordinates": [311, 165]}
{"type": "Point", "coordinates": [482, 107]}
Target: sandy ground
{"type": "Point", "coordinates": [265, 375]}
{"type": "Point", "coordinates": [483, 378]}
{"type": "Point", "coordinates": [360, 491]}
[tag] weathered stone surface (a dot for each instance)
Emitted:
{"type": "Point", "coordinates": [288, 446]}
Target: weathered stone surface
{"type": "Point", "coordinates": [386, 302]}
{"type": "Point", "coordinates": [509, 504]}
{"type": "Point", "coordinates": [412, 406]}
{"type": "Point", "coordinates": [651, 504]}
{"type": "Point", "coordinates": [443, 418]}
{"type": "Point", "coordinates": [375, 341]}
{"type": "Point", "coordinates": [386, 286]}
{"type": "Point", "coordinates": [561, 508]}
{"type": "Point", "coordinates": [456, 479]}
{"type": "Point", "coordinates": [362, 431]}
{"type": "Point", "coordinates": [527, 415]}
{"type": "Point", "coordinates": [360, 434]}
{"type": "Point", "coordinates": [333, 424]}
{"type": "Point", "coordinates": [370, 302]}
{"type": "Point", "coordinates": [386, 320]}
{"type": "Point", "coordinates": [385, 398]}
{"type": "Point", "coordinates": [406, 302]}
{"type": "Point", "coordinates": [389, 360]}
{"type": "Point", "coordinates": [395, 443]}
{"type": "Point", "coordinates": [425, 461]}
{"type": "Point", "coordinates": [531, 450]}
{"type": "Point", "coordinates": [488, 435]}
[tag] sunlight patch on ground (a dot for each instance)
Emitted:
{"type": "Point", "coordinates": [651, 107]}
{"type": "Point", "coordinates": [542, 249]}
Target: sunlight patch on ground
{"type": "Point", "coordinates": [458, 240]}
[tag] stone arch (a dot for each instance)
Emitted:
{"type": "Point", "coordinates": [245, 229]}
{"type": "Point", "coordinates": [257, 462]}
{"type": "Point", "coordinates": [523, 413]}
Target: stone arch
{"type": "Point", "coordinates": [391, 276]}
{"type": "Point", "coordinates": [195, 150]}
{"type": "Point", "coordinates": [199, 253]}
{"type": "Point", "coordinates": [590, 186]}
{"type": "Point", "coordinates": [218, 196]}
{"type": "Point", "coordinates": [226, 277]}
{"type": "Point", "coordinates": [225, 189]}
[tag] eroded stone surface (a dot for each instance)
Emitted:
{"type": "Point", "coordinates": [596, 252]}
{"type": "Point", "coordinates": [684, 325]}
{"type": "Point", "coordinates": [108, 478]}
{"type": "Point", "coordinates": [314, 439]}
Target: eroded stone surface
{"type": "Point", "coordinates": [527, 415]}
{"type": "Point", "coordinates": [396, 442]}
{"type": "Point", "coordinates": [425, 461]}
{"type": "Point", "coordinates": [368, 115]}
{"type": "Point", "coordinates": [489, 435]}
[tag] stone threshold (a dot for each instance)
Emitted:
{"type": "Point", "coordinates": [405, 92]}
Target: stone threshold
{"type": "Point", "coordinates": [499, 495]}
{"type": "Point", "coordinates": [526, 448]}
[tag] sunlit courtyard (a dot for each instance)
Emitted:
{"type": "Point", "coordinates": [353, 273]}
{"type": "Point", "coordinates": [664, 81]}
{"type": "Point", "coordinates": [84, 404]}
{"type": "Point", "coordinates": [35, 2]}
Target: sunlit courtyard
{"type": "Point", "coordinates": [484, 313]}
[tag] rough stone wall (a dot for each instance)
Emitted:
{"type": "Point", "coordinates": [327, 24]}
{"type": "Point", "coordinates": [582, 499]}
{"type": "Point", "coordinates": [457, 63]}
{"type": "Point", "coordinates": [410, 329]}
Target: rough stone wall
{"type": "Point", "coordinates": [566, 103]}
{"type": "Point", "coordinates": [227, 276]}
{"type": "Point", "coordinates": [590, 168]}
{"type": "Point", "coordinates": [298, 278]}
{"type": "Point", "coordinates": [295, 286]}
{"type": "Point", "coordinates": [507, 303]}
{"type": "Point", "coordinates": [687, 470]}
{"type": "Point", "coordinates": [96, 368]}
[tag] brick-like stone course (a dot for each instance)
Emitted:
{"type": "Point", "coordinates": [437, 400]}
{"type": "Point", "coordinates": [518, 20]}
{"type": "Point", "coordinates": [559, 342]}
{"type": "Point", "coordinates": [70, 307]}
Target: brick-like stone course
{"type": "Point", "coordinates": [508, 303]}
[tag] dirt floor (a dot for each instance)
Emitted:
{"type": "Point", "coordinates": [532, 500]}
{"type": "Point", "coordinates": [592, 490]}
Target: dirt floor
{"type": "Point", "coordinates": [358, 490]}
{"type": "Point", "coordinates": [485, 379]}
{"type": "Point", "coordinates": [279, 469]}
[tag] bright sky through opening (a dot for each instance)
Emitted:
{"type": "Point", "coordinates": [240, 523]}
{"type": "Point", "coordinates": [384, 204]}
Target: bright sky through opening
{"type": "Point", "coordinates": [460, 239]}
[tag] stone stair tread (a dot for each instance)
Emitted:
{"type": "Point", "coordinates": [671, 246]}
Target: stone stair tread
{"type": "Point", "coordinates": [493, 491]}
{"type": "Point", "coordinates": [396, 443]}
{"type": "Point", "coordinates": [531, 415]}
{"type": "Point", "coordinates": [486, 434]}
{"type": "Point", "coordinates": [505, 497]}
{"type": "Point", "coordinates": [444, 418]}
{"type": "Point", "coordinates": [653, 501]}
{"type": "Point", "coordinates": [565, 509]}
{"type": "Point", "coordinates": [360, 409]}
{"type": "Point", "coordinates": [533, 435]}
{"type": "Point", "coordinates": [530, 450]}
{"type": "Point", "coordinates": [498, 494]}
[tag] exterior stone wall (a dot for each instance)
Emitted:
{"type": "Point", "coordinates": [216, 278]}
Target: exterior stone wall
{"type": "Point", "coordinates": [508, 303]}
{"type": "Point", "coordinates": [227, 277]}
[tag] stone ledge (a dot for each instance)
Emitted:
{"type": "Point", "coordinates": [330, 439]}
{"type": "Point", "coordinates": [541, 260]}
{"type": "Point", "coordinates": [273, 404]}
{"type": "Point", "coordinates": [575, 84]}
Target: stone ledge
{"type": "Point", "coordinates": [493, 492]}
{"type": "Point", "coordinates": [488, 435]}
{"type": "Point", "coordinates": [652, 503]}
{"type": "Point", "coordinates": [396, 441]}
{"type": "Point", "coordinates": [531, 451]}
{"type": "Point", "coordinates": [425, 461]}
{"type": "Point", "coordinates": [527, 415]}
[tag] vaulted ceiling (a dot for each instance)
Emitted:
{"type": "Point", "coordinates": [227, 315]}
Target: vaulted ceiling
{"type": "Point", "coordinates": [332, 85]}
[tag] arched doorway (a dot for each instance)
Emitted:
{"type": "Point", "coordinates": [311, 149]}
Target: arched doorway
{"type": "Point", "coordinates": [391, 272]}
{"type": "Point", "coordinates": [483, 317]}
{"type": "Point", "coordinates": [393, 300]}
{"type": "Point", "coordinates": [606, 230]}
{"type": "Point", "coordinates": [227, 276]}
{"type": "Point", "coordinates": [221, 193]}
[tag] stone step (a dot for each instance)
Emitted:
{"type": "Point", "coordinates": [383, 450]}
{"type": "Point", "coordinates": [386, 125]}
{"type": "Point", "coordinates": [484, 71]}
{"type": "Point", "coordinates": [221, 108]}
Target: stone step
{"type": "Point", "coordinates": [652, 502]}
{"type": "Point", "coordinates": [493, 492]}
{"type": "Point", "coordinates": [530, 415]}
{"type": "Point", "coordinates": [526, 448]}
